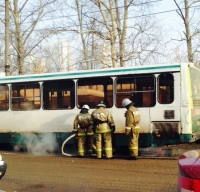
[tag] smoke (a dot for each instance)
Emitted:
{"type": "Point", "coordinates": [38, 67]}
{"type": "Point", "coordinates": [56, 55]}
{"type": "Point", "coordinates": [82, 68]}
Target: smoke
{"type": "Point", "coordinates": [39, 144]}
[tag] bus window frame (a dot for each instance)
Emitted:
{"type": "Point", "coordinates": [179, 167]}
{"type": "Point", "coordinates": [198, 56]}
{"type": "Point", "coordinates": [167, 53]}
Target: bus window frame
{"type": "Point", "coordinates": [130, 92]}
{"type": "Point", "coordinates": [4, 103]}
{"type": "Point", "coordinates": [93, 105]}
{"type": "Point", "coordinates": [72, 102]}
{"type": "Point", "coordinates": [171, 89]}
{"type": "Point", "coordinates": [22, 102]}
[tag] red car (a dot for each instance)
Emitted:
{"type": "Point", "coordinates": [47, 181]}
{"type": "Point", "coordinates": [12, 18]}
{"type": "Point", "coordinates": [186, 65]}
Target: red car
{"type": "Point", "coordinates": [189, 172]}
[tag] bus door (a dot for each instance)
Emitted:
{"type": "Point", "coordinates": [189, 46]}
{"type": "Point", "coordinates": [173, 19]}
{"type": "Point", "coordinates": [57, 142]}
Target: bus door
{"type": "Point", "coordinates": [165, 115]}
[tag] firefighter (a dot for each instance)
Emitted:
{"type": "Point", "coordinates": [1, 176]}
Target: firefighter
{"type": "Point", "coordinates": [84, 128]}
{"type": "Point", "coordinates": [132, 128]}
{"type": "Point", "coordinates": [104, 126]}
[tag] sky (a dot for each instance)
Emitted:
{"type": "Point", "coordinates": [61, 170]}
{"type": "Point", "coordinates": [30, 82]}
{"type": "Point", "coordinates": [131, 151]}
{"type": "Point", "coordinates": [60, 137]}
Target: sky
{"type": "Point", "coordinates": [165, 12]}
{"type": "Point", "coordinates": [170, 17]}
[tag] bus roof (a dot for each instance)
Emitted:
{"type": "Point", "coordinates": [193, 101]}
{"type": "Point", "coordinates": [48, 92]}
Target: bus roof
{"type": "Point", "coordinates": [145, 69]}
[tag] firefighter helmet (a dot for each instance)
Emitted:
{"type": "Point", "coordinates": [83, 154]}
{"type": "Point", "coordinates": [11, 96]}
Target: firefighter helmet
{"type": "Point", "coordinates": [126, 102]}
{"type": "Point", "coordinates": [101, 104]}
{"type": "Point", "coordinates": [86, 107]}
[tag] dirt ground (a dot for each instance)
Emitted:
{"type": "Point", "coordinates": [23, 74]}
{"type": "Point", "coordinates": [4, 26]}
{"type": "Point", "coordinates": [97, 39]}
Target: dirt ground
{"type": "Point", "coordinates": [51, 173]}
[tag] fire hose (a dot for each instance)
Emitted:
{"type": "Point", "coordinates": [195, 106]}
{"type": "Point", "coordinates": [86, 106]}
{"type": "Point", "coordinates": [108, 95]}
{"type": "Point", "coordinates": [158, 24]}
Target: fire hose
{"type": "Point", "coordinates": [66, 140]}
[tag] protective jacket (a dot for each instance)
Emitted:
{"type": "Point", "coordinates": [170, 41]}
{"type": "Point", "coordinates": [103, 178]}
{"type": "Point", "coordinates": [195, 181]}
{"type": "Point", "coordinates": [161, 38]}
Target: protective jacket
{"type": "Point", "coordinates": [103, 123]}
{"type": "Point", "coordinates": [132, 129]}
{"type": "Point", "coordinates": [103, 120]}
{"type": "Point", "coordinates": [132, 118]}
{"type": "Point", "coordinates": [84, 128]}
{"type": "Point", "coordinates": [82, 124]}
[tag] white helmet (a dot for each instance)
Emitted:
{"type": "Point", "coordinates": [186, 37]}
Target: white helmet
{"type": "Point", "coordinates": [126, 102]}
{"type": "Point", "coordinates": [86, 107]}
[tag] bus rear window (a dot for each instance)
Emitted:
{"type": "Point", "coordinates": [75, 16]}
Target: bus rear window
{"type": "Point", "coordinates": [92, 90]}
{"type": "Point", "coordinates": [165, 88]}
{"type": "Point", "coordinates": [4, 98]}
{"type": "Point", "coordinates": [59, 94]}
{"type": "Point", "coordinates": [139, 89]}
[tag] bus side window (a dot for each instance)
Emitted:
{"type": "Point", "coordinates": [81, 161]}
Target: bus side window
{"type": "Point", "coordinates": [92, 90]}
{"type": "Point", "coordinates": [165, 88]}
{"type": "Point", "coordinates": [4, 99]}
{"type": "Point", "coordinates": [25, 96]}
{"type": "Point", "coordinates": [58, 94]}
{"type": "Point", "coordinates": [147, 98]}
{"type": "Point", "coordinates": [139, 89]}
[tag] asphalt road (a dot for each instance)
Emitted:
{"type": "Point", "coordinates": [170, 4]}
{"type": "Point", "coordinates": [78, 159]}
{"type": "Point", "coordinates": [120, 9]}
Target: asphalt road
{"type": "Point", "coordinates": [51, 173]}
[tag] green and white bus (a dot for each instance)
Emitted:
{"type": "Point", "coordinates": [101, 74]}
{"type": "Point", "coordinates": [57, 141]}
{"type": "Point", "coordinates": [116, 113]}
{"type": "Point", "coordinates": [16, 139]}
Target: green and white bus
{"type": "Point", "coordinates": [45, 105]}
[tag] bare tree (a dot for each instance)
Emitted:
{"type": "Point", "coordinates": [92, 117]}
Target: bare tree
{"type": "Point", "coordinates": [88, 46]}
{"type": "Point", "coordinates": [110, 24]}
{"type": "Point", "coordinates": [80, 21]}
{"type": "Point", "coordinates": [36, 66]}
{"type": "Point", "coordinates": [190, 36]}
{"type": "Point", "coordinates": [24, 18]}
{"type": "Point", "coordinates": [57, 57]}
{"type": "Point", "coordinates": [123, 38]}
